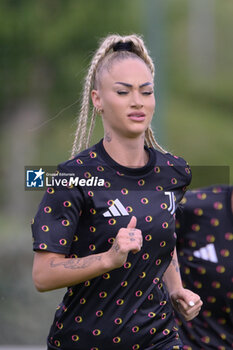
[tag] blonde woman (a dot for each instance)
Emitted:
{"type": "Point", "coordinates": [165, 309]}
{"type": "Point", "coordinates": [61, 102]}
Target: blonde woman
{"type": "Point", "coordinates": [113, 244]}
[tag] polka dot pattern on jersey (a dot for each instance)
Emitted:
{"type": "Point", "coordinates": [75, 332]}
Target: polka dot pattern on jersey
{"type": "Point", "coordinates": [127, 307]}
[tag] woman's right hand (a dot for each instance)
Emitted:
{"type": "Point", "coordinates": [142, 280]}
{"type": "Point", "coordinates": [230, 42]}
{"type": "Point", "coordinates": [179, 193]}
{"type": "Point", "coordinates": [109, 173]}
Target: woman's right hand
{"type": "Point", "coordinates": [127, 239]}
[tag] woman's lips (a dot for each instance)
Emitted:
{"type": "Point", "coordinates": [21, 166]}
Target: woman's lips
{"type": "Point", "coordinates": [137, 116]}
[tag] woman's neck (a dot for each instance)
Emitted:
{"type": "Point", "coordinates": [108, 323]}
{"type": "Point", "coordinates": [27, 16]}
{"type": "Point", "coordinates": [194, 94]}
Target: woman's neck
{"type": "Point", "coordinates": [127, 152]}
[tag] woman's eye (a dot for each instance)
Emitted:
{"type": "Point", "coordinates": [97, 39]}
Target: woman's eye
{"type": "Point", "coordinates": [147, 93]}
{"type": "Point", "coordinates": [122, 92]}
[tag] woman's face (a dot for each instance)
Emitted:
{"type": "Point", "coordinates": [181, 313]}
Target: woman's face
{"type": "Point", "coordinates": [126, 97]}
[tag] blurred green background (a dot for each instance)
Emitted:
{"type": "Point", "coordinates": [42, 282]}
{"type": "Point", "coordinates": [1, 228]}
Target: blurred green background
{"type": "Point", "coordinates": [46, 47]}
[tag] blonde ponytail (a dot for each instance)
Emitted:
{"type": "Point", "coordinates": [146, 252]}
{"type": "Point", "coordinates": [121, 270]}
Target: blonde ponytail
{"type": "Point", "coordinates": [103, 57]}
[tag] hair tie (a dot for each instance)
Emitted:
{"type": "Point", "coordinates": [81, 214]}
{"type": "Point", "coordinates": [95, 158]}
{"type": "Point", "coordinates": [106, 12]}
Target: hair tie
{"type": "Point", "coordinates": [120, 46]}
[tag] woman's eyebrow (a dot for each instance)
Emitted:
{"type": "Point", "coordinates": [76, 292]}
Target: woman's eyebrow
{"type": "Point", "coordinates": [124, 84]}
{"type": "Point", "coordinates": [145, 84]}
{"type": "Point", "coordinates": [130, 85]}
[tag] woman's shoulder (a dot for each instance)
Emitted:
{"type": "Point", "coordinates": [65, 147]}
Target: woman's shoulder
{"type": "Point", "coordinates": [174, 166]}
{"type": "Point", "coordinates": [169, 159]}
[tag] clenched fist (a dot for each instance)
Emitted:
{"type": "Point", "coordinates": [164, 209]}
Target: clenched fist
{"type": "Point", "coordinates": [127, 239]}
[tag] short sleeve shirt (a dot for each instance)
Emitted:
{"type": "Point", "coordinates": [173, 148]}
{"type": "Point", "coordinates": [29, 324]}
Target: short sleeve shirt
{"type": "Point", "coordinates": [205, 252]}
{"type": "Point", "coordinates": [126, 308]}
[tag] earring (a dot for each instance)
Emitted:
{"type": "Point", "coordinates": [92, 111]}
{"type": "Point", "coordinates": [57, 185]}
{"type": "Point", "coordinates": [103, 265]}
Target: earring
{"type": "Point", "coordinates": [98, 110]}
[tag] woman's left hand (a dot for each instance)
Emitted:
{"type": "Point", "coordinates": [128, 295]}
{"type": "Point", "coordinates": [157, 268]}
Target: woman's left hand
{"type": "Point", "coordinates": [187, 303]}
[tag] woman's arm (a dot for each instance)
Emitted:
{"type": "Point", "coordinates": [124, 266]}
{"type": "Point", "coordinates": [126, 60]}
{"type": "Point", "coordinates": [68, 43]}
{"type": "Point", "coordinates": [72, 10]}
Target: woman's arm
{"type": "Point", "coordinates": [183, 300]}
{"type": "Point", "coordinates": [172, 276]}
{"type": "Point", "coordinates": [53, 271]}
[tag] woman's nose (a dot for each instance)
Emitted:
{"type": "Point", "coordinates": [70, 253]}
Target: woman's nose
{"type": "Point", "coordinates": [137, 100]}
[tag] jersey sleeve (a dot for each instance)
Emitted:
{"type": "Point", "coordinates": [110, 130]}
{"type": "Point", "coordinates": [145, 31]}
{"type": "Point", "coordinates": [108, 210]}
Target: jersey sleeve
{"type": "Point", "coordinates": [183, 172]}
{"type": "Point", "coordinates": [55, 224]}
{"type": "Point", "coordinates": [179, 175]}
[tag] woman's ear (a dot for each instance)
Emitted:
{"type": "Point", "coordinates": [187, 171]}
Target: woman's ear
{"type": "Point", "coordinates": [96, 100]}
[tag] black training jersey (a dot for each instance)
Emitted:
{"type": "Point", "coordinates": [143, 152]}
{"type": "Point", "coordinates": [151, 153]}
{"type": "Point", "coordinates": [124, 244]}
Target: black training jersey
{"type": "Point", "coordinates": [205, 251]}
{"type": "Point", "coordinates": [126, 308]}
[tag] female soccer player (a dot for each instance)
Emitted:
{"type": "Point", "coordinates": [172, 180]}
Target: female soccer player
{"type": "Point", "coordinates": [112, 243]}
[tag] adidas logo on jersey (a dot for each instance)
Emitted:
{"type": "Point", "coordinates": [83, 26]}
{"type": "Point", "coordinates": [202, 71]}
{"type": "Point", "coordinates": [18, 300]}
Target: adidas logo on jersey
{"type": "Point", "coordinates": [207, 253]}
{"type": "Point", "coordinates": [116, 209]}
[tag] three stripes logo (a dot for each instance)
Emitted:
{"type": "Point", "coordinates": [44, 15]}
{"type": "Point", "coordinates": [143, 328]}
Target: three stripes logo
{"type": "Point", "coordinates": [116, 209]}
{"type": "Point", "coordinates": [172, 206]}
{"type": "Point", "coordinates": [207, 253]}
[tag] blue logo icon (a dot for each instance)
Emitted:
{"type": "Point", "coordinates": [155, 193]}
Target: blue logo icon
{"type": "Point", "coordinates": [35, 178]}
